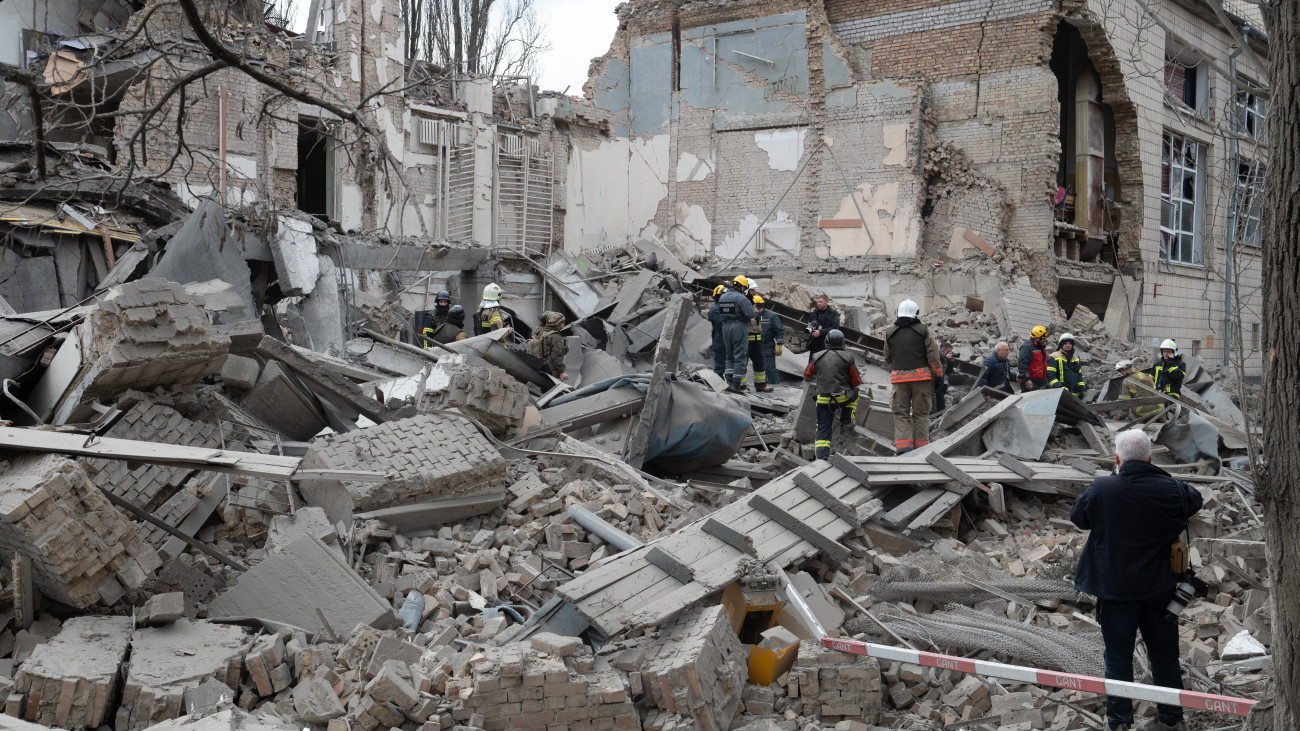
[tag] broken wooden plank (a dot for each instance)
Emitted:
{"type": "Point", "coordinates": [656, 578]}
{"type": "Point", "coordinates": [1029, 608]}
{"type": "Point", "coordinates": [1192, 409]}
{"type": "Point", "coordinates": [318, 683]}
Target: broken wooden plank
{"type": "Point", "coordinates": [729, 536]}
{"type": "Point", "coordinates": [1015, 465]}
{"type": "Point", "coordinates": [823, 496]}
{"type": "Point", "coordinates": [665, 362]}
{"type": "Point", "coordinates": [252, 464]}
{"type": "Point", "coordinates": [1094, 439]}
{"type": "Point", "coordinates": [948, 468]}
{"type": "Point", "coordinates": [832, 548]}
{"type": "Point", "coordinates": [939, 508]}
{"type": "Point", "coordinates": [904, 511]}
{"type": "Point", "coordinates": [669, 564]}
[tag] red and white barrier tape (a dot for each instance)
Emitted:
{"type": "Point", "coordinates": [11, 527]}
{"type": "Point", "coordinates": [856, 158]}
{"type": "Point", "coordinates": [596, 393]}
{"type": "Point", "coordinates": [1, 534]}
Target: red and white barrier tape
{"type": "Point", "coordinates": [1022, 674]}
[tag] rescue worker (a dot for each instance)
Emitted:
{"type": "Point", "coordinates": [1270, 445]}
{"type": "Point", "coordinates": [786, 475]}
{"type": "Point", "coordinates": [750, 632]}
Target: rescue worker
{"type": "Point", "coordinates": [489, 316]}
{"type": "Point", "coordinates": [754, 347]}
{"type": "Point", "coordinates": [773, 338]}
{"type": "Point", "coordinates": [836, 381]}
{"type": "Point", "coordinates": [441, 306]}
{"type": "Point", "coordinates": [913, 358]}
{"type": "Point", "coordinates": [715, 319]}
{"type": "Point", "coordinates": [1064, 370]}
{"type": "Point", "coordinates": [1170, 371]}
{"type": "Point", "coordinates": [549, 345]}
{"type": "Point", "coordinates": [1130, 390]}
{"type": "Point", "coordinates": [1032, 362]}
{"type": "Point", "coordinates": [941, 383]}
{"type": "Point", "coordinates": [821, 320]}
{"type": "Point", "coordinates": [451, 329]}
{"type": "Point", "coordinates": [736, 312]}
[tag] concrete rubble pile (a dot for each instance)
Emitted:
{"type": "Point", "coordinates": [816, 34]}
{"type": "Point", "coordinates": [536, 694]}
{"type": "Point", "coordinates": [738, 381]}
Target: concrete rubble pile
{"type": "Point", "coordinates": [240, 495]}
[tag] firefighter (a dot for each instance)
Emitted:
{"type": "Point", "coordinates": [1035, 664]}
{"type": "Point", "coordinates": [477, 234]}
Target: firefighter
{"type": "Point", "coordinates": [755, 345]}
{"type": "Point", "coordinates": [489, 316]}
{"type": "Point", "coordinates": [715, 319]}
{"type": "Point", "coordinates": [773, 332]}
{"type": "Point", "coordinates": [1064, 370]}
{"type": "Point", "coordinates": [837, 381]}
{"type": "Point", "coordinates": [736, 312]}
{"type": "Point", "coordinates": [913, 357]}
{"type": "Point", "coordinates": [549, 345]}
{"type": "Point", "coordinates": [451, 329]}
{"type": "Point", "coordinates": [1032, 362]}
{"type": "Point", "coordinates": [441, 306]}
{"type": "Point", "coordinates": [1170, 371]}
{"type": "Point", "coordinates": [1130, 390]}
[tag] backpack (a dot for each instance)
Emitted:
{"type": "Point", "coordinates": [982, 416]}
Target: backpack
{"type": "Point", "coordinates": [539, 346]}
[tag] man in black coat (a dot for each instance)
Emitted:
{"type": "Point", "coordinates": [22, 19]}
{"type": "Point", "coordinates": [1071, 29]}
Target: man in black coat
{"type": "Point", "coordinates": [1134, 517]}
{"type": "Point", "coordinates": [821, 320]}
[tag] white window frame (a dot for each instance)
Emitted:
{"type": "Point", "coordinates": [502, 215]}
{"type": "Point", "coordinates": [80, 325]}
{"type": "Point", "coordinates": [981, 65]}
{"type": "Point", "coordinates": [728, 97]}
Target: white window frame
{"type": "Point", "coordinates": [1249, 114]}
{"type": "Point", "coordinates": [1246, 214]}
{"type": "Point", "coordinates": [1200, 70]}
{"type": "Point", "coordinates": [1181, 217]}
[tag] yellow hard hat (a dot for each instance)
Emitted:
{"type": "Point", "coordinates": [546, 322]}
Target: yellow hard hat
{"type": "Point", "coordinates": [718, 290]}
{"type": "Point", "coordinates": [758, 299]}
{"type": "Point", "coordinates": [1038, 332]}
{"type": "Point", "coordinates": [742, 281]}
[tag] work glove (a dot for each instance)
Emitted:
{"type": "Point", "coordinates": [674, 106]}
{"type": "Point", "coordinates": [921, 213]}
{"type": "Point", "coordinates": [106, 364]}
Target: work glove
{"type": "Point", "coordinates": [778, 348]}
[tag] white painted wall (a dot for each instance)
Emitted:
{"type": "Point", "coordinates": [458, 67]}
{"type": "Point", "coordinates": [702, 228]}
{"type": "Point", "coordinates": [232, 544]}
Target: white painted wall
{"type": "Point", "coordinates": [47, 16]}
{"type": "Point", "coordinates": [614, 191]}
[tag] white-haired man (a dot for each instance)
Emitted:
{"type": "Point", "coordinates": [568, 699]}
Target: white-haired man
{"type": "Point", "coordinates": [1134, 516]}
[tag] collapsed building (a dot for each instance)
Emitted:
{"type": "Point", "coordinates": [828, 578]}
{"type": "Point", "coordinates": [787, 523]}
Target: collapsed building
{"type": "Point", "coordinates": [240, 493]}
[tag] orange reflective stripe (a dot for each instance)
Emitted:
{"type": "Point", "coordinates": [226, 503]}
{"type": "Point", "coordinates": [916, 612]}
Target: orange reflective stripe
{"type": "Point", "coordinates": [903, 443]}
{"type": "Point", "coordinates": [908, 376]}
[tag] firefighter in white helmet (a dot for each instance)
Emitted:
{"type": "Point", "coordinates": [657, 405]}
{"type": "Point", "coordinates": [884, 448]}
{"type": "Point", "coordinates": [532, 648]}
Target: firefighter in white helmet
{"type": "Point", "coordinates": [489, 316]}
{"type": "Point", "coordinates": [1170, 371]}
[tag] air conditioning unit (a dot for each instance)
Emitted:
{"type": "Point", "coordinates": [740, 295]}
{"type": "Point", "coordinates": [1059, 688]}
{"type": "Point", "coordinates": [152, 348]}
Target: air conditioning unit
{"type": "Point", "coordinates": [511, 144]}
{"type": "Point", "coordinates": [433, 132]}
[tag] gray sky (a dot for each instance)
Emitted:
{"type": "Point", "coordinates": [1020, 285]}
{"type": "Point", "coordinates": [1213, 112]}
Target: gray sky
{"type": "Point", "coordinates": [578, 30]}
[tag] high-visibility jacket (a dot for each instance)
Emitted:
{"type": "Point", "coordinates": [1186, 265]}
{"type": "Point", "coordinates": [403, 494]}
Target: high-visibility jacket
{"type": "Point", "coordinates": [1130, 390]}
{"type": "Point", "coordinates": [1066, 371]}
{"type": "Point", "coordinates": [1169, 376]}
{"type": "Point", "coordinates": [487, 320]}
{"type": "Point", "coordinates": [911, 351]}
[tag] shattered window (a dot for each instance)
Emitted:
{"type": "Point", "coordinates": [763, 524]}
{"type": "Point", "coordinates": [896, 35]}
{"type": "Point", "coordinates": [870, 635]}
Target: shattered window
{"type": "Point", "coordinates": [1180, 195]}
{"type": "Point", "coordinates": [1248, 114]}
{"type": "Point", "coordinates": [1248, 202]}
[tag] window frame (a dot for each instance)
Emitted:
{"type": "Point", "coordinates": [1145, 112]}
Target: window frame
{"type": "Point", "coordinates": [1248, 184]}
{"type": "Point", "coordinates": [1249, 114]}
{"type": "Point", "coordinates": [1182, 242]}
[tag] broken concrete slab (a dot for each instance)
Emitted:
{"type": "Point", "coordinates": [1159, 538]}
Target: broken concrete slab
{"type": "Point", "coordinates": [294, 252]}
{"type": "Point", "coordinates": [306, 521]}
{"type": "Point", "coordinates": [72, 680]}
{"type": "Point", "coordinates": [200, 252]}
{"type": "Point", "coordinates": [426, 456]}
{"type": "Point", "coordinates": [323, 311]}
{"type": "Point", "coordinates": [83, 549]}
{"type": "Point", "coordinates": [291, 587]}
{"type": "Point", "coordinates": [699, 668]}
{"type": "Point", "coordinates": [315, 702]}
{"type": "Point", "coordinates": [231, 719]}
{"type": "Point", "coordinates": [411, 520]}
{"type": "Point", "coordinates": [166, 662]}
{"type": "Point", "coordinates": [240, 373]}
{"type": "Point", "coordinates": [162, 609]}
{"type": "Point", "coordinates": [221, 301]}
{"type": "Point", "coordinates": [281, 402]}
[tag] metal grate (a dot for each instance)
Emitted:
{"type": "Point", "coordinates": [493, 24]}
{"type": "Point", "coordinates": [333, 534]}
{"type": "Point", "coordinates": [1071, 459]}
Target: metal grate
{"type": "Point", "coordinates": [459, 193]}
{"type": "Point", "coordinates": [524, 204]}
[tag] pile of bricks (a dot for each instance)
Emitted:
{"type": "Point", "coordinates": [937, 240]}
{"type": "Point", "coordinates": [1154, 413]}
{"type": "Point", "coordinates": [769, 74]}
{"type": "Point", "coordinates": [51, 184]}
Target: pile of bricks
{"type": "Point", "coordinates": [698, 672]}
{"type": "Point", "coordinates": [166, 661]}
{"type": "Point", "coordinates": [151, 332]}
{"type": "Point", "coordinates": [71, 681]}
{"type": "Point", "coordinates": [160, 489]}
{"type": "Point", "coordinates": [83, 549]}
{"type": "Point", "coordinates": [551, 681]}
{"type": "Point", "coordinates": [835, 686]}
{"type": "Point", "coordinates": [425, 456]}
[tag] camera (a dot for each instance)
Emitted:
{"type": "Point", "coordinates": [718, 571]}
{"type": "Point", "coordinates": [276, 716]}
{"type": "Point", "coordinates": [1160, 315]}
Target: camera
{"type": "Point", "coordinates": [1188, 587]}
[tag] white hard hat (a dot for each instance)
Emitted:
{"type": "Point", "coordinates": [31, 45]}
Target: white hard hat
{"type": "Point", "coordinates": [1124, 365]}
{"type": "Point", "coordinates": [492, 292]}
{"type": "Point", "coordinates": [1169, 344]}
{"type": "Point", "coordinates": [908, 308]}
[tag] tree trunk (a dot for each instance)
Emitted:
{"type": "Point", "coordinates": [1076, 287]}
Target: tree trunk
{"type": "Point", "coordinates": [1279, 488]}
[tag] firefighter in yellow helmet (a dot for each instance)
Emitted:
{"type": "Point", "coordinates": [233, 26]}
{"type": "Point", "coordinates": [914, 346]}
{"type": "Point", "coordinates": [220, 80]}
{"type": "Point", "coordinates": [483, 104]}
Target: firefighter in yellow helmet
{"type": "Point", "coordinates": [715, 319]}
{"type": "Point", "coordinates": [1031, 364]}
{"type": "Point", "coordinates": [736, 311]}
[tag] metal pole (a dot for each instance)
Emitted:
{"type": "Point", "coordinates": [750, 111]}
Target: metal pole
{"type": "Point", "coordinates": [608, 533]}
